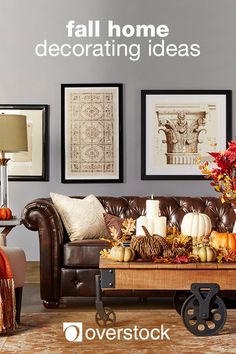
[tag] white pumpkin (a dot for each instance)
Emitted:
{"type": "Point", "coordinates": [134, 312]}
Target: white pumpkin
{"type": "Point", "coordinates": [196, 225]}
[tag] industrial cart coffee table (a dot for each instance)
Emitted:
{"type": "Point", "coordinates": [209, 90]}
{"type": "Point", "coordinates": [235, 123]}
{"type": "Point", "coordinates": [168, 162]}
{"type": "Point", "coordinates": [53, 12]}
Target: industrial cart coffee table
{"type": "Point", "coordinates": [202, 310]}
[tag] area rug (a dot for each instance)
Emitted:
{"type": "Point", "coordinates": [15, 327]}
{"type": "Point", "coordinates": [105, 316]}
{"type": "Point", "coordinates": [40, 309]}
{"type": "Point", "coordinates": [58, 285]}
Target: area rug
{"type": "Point", "coordinates": [43, 333]}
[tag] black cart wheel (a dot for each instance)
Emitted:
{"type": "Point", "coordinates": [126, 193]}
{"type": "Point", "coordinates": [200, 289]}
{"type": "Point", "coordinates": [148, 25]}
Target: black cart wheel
{"type": "Point", "coordinates": [179, 298]}
{"type": "Point", "coordinates": [204, 326]}
{"type": "Point", "coordinates": [108, 319]}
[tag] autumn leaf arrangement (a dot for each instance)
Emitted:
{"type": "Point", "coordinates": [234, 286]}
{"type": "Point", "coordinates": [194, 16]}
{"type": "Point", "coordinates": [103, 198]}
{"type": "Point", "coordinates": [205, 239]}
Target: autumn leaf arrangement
{"type": "Point", "coordinates": [127, 230]}
{"type": "Point", "coordinates": [222, 172]}
{"type": "Point", "coordinates": [179, 248]}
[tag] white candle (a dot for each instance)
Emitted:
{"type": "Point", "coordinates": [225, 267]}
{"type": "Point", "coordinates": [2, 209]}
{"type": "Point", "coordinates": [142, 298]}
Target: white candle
{"type": "Point", "coordinates": [159, 226]}
{"type": "Point", "coordinates": [151, 226]}
{"type": "Point", "coordinates": [141, 221]}
{"type": "Point", "coordinates": [152, 208]}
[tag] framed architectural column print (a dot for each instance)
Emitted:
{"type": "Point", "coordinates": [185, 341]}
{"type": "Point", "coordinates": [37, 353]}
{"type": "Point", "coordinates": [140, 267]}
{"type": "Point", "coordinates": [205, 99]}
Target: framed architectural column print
{"type": "Point", "coordinates": [92, 133]}
{"type": "Point", "coordinates": [32, 165]}
{"type": "Point", "coordinates": [178, 127]}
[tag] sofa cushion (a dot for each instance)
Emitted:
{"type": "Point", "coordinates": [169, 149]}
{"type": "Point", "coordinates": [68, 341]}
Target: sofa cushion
{"type": "Point", "coordinates": [83, 218]}
{"type": "Point", "coordinates": [83, 253]}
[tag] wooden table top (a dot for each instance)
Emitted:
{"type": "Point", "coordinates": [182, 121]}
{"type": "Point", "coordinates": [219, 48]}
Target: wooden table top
{"type": "Point", "coordinates": [108, 263]}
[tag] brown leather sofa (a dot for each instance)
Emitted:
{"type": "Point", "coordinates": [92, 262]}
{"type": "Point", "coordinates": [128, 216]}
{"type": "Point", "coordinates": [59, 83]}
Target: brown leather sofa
{"type": "Point", "coordinates": [69, 268]}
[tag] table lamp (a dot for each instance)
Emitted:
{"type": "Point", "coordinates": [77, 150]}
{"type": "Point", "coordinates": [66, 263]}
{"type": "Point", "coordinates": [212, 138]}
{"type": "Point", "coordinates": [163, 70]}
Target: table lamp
{"type": "Point", "coordinates": [13, 138]}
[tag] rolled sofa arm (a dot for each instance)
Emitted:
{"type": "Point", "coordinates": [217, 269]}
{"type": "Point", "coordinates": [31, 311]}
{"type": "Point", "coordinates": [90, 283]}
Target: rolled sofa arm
{"type": "Point", "coordinates": [40, 215]}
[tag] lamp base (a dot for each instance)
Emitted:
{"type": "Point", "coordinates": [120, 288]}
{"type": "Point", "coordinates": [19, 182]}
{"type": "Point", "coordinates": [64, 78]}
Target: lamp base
{"type": "Point", "coordinates": [4, 182]}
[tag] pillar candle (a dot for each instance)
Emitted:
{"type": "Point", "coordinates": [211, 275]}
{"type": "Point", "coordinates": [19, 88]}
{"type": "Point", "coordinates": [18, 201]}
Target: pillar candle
{"type": "Point", "coordinates": [141, 221]}
{"type": "Point", "coordinates": [159, 226]}
{"type": "Point", "coordinates": [152, 208]}
{"type": "Point", "coordinates": [151, 226]}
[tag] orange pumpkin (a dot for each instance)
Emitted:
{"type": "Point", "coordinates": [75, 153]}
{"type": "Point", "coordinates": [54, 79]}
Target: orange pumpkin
{"type": "Point", "coordinates": [223, 240]}
{"type": "Point", "coordinates": [5, 214]}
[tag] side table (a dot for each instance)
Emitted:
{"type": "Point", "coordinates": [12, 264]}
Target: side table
{"type": "Point", "coordinates": [17, 260]}
{"type": "Point", "coordinates": [7, 226]}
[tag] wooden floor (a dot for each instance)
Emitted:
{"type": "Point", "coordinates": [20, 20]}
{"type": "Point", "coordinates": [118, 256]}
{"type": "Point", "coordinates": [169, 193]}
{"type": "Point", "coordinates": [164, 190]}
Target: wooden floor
{"type": "Point", "coordinates": [32, 272]}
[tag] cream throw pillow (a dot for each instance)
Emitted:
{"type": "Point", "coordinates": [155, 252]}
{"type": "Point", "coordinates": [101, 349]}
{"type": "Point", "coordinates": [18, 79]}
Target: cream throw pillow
{"type": "Point", "coordinates": [83, 218]}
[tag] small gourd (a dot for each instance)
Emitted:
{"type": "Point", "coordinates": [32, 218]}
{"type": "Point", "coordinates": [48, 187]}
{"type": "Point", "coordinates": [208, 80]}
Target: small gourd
{"type": "Point", "coordinates": [205, 253]}
{"type": "Point", "coordinates": [196, 225]}
{"type": "Point", "coordinates": [122, 254]}
{"type": "Point", "coordinates": [225, 240]}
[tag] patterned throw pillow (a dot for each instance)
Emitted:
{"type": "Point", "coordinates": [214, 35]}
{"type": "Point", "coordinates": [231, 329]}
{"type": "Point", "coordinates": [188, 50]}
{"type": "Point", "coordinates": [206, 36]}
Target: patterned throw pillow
{"type": "Point", "coordinates": [83, 218]}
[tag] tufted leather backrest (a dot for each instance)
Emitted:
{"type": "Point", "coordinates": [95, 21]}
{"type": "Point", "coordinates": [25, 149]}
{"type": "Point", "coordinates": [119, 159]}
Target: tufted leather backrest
{"type": "Point", "coordinates": [41, 214]}
{"type": "Point", "coordinates": [174, 208]}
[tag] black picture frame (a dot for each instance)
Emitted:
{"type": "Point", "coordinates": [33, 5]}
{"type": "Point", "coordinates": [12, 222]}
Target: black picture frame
{"type": "Point", "coordinates": [43, 159]}
{"type": "Point", "coordinates": [84, 105]}
{"type": "Point", "coordinates": [177, 107]}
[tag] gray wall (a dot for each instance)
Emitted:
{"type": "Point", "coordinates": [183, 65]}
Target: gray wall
{"type": "Point", "coordinates": [26, 78]}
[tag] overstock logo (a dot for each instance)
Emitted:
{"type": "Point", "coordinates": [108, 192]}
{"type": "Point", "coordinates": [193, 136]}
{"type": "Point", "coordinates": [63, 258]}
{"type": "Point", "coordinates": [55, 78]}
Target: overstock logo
{"type": "Point", "coordinates": [74, 333]}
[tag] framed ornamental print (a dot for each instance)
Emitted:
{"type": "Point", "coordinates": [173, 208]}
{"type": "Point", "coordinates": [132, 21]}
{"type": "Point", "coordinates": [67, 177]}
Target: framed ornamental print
{"type": "Point", "coordinates": [92, 133]}
{"type": "Point", "coordinates": [179, 127]}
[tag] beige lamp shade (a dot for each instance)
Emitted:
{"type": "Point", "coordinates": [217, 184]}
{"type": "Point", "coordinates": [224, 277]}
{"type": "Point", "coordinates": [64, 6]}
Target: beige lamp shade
{"type": "Point", "coordinates": [13, 133]}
